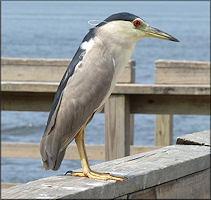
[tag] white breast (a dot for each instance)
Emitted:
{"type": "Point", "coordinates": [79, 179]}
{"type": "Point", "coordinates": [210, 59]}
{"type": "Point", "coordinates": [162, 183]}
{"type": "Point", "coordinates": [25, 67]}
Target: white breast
{"type": "Point", "coordinates": [120, 44]}
{"type": "Point", "coordinates": [120, 56]}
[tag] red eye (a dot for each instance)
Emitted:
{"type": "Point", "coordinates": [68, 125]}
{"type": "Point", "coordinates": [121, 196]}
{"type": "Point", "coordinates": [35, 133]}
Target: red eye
{"type": "Point", "coordinates": [136, 23]}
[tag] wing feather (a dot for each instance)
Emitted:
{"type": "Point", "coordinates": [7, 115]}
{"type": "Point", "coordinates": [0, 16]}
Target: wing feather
{"type": "Point", "coordinates": [69, 72]}
{"type": "Point", "coordinates": [80, 93]}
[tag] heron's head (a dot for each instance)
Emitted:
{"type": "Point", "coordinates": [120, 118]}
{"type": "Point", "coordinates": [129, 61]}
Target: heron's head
{"type": "Point", "coordinates": [129, 26]}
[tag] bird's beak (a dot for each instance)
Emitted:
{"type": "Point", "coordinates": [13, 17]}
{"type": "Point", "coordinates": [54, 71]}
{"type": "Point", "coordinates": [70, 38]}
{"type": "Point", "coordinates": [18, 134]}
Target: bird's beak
{"type": "Point", "coordinates": [156, 33]}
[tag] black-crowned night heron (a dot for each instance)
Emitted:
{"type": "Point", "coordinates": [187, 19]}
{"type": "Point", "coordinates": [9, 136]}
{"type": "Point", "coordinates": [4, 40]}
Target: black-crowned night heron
{"type": "Point", "coordinates": [88, 83]}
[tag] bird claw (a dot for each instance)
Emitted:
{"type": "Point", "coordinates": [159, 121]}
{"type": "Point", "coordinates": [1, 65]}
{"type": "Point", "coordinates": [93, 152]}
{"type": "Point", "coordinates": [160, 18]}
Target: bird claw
{"type": "Point", "coordinates": [97, 175]}
{"type": "Point", "coordinates": [68, 172]}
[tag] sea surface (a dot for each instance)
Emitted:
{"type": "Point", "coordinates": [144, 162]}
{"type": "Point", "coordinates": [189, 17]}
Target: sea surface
{"type": "Point", "coordinates": [54, 29]}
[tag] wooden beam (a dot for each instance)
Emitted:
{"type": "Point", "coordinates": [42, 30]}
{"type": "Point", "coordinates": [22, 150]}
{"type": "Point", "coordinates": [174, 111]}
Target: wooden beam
{"type": "Point", "coordinates": [31, 150]}
{"type": "Point", "coordinates": [26, 101]}
{"type": "Point", "coordinates": [117, 127]}
{"type": "Point", "coordinates": [145, 104]}
{"type": "Point", "coordinates": [178, 189]}
{"type": "Point", "coordinates": [182, 72]}
{"type": "Point", "coordinates": [51, 87]}
{"type": "Point", "coordinates": [150, 99]}
{"type": "Point", "coordinates": [8, 185]}
{"type": "Point", "coordinates": [30, 69]}
{"type": "Point", "coordinates": [170, 104]}
{"type": "Point", "coordinates": [162, 89]}
{"type": "Point", "coordinates": [198, 138]}
{"type": "Point", "coordinates": [163, 130]}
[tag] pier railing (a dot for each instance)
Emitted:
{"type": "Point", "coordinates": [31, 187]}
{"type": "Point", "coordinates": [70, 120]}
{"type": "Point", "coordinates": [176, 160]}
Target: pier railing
{"type": "Point", "coordinates": [181, 87]}
{"type": "Point", "coordinates": [180, 73]}
{"type": "Point", "coordinates": [180, 171]}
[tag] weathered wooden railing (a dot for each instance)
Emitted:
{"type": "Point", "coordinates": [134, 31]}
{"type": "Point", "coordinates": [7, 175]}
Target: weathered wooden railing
{"type": "Point", "coordinates": [178, 73]}
{"type": "Point", "coordinates": [179, 171]}
{"type": "Point", "coordinates": [30, 85]}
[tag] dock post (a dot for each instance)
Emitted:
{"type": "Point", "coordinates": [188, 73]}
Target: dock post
{"type": "Point", "coordinates": [173, 72]}
{"type": "Point", "coordinates": [117, 127]}
{"type": "Point", "coordinates": [163, 130]}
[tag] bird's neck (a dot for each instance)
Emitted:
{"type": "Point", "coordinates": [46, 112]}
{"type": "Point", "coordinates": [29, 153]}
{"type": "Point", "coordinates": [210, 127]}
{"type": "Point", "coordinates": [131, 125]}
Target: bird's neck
{"type": "Point", "coordinates": [120, 47]}
{"type": "Point", "coordinates": [120, 50]}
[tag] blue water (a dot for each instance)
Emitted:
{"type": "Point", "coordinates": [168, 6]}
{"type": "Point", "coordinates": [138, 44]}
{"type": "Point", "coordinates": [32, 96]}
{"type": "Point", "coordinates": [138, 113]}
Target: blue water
{"type": "Point", "coordinates": [55, 29]}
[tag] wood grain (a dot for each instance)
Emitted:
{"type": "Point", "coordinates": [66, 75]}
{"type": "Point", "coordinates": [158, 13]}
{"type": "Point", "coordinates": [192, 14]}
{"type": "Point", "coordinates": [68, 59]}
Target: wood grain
{"type": "Point", "coordinates": [28, 69]}
{"type": "Point", "coordinates": [170, 72]}
{"type": "Point", "coordinates": [31, 150]}
{"type": "Point", "coordinates": [143, 171]}
{"type": "Point", "coordinates": [182, 72]}
{"type": "Point", "coordinates": [117, 127]}
{"type": "Point", "coordinates": [163, 130]}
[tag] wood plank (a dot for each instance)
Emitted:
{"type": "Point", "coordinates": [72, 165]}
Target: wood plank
{"type": "Point", "coordinates": [170, 104]}
{"type": "Point", "coordinates": [169, 163]}
{"type": "Point", "coordinates": [131, 129]}
{"type": "Point", "coordinates": [8, 185]}
{"type": "Point", "coordinates": [26, 101]}
{"type": "Point", "coordinates": [162, 89]}
{"type": "Point", "coordinates": [141, 149]}
{"type": "Point", "coordinates": [51, 87]}
{"type": "Point", "coordinates": [182, 72]}
{"type": "Point", "coordinates": [163, 130]}
{"type": "Point", "coordinates": [149, 193]}
{"type": "Point", "coordinates": [31, 151]}
{"type": "Point", "coordinates": [117, 127]}
{"type": "Point", "coordinates": [28, 69]}
{"type": "Point", "coordinates": [145, 104]}
{"type": "Point", "coordinates": [199, 138]}
{"type": "Point", "coordinates": [194, 186]}
{"type": "Point", "coordinates": [29, 86]}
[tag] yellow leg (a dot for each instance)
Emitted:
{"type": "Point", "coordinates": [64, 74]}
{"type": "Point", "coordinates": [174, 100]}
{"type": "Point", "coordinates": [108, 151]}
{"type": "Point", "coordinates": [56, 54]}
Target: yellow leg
{"type": "Point", "coordinates": [87, 172]}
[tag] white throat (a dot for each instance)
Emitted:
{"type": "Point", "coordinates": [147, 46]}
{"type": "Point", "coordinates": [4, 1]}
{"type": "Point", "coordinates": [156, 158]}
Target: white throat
{"type": "Point", "coordinates": [120, 44]}
{"type": "Point", "coordinates": [121, 47]}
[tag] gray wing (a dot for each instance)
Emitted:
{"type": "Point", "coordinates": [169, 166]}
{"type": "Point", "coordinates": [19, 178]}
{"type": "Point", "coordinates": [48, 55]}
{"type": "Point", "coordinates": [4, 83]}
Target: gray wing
{"type": "Point", "coordinates": [69, 72]}
{"type": "Point", "coordinates": [82, 95]}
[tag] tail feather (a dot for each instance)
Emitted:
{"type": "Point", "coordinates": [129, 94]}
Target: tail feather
{"type": "Point", "coordinates": [51, 163]}
{"type": "Point", "coordinates": [49, 150]}
{"type": "Point", "coordinates": [59, 160]}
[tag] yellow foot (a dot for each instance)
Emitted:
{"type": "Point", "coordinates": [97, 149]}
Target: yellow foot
{"type": "Point", "coordinates": [96, 175]}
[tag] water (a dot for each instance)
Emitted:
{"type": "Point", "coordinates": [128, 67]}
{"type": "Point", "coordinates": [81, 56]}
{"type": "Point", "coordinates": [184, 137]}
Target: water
{"type": "Point", "coordinates": [55, 29]}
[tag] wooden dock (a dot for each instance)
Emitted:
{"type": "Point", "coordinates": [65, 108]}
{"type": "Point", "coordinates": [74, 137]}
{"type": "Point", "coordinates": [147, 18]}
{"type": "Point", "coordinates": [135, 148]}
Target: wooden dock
{"type": "Point", "coordinates": [179, 171]}
{"type": "Point", "coordinates": [181, 87]}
